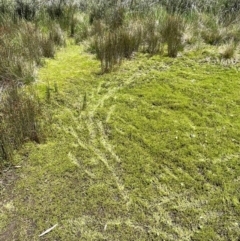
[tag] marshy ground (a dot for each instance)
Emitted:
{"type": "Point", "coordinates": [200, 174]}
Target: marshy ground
{"type": "Point", "coordinates": [147, 152]}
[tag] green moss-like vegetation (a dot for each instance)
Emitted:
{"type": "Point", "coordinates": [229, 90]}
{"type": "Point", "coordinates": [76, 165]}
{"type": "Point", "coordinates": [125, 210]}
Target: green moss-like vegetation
{"type": "Point", "coordinates": [148, 152]}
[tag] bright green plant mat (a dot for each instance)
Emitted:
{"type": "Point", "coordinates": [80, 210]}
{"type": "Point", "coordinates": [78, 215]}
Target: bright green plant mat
{"type": "Point", "coordinates": [148, 152]}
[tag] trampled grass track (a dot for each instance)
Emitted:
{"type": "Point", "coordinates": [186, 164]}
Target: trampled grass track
{"type": "Point", "coordinates": [141, 161]}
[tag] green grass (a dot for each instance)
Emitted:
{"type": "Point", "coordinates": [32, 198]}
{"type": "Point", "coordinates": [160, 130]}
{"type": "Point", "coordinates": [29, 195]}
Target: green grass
{"type": "Point", "coordinates": [148, 152]}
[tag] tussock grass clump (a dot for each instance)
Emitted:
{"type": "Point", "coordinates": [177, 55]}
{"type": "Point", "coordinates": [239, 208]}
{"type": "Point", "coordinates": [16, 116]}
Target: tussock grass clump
{"type": "Point", "coordinates": [130, 40]}
{"type": "Point", "coordinates": [211, 36]}
{"type": "Point", "coordinates": [152, 38]}
{"type": "Point", "coordinates": [107, 51]}
{"type": "Point", "coordinates": [48, 48]}
{"type": "Point", "coordinates": [172, 34]}
{"type": "Point", "coordinates": [210, 29]}
{"type": "Point", "coordinates": [56, 34]}
{"type": "Point", "coordinates": [82, 30]}
{"type": "Point", "coordinates": [17, 54]}
{"type": "Point", "coordinates": [98, 28]}
{"type": "Point", "coordinates": [112, 47]}
{"type": "Point", "coordinates": [215, 31]}
{"type": "Point", "coordinates": [229, 51]}
{"type": "Point", "coordinates": [23, 46]}
{"type": "Point", "coordinates": [19, 114]}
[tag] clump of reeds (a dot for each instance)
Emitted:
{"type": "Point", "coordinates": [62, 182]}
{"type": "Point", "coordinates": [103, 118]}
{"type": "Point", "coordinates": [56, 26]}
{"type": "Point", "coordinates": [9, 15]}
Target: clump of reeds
{"type": "Point", "coordinates": [23, 46]}
{"type": "Point", "coordinates": [172, 34]}
{"type": "Point", "coordinates": [229, 51]}
{"type": "Point", "coordinates": [113, 46]}
{"type": "Point", "coordinates": [19, 120]}
{"type": "Point", "coordinates": [152, 38]}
